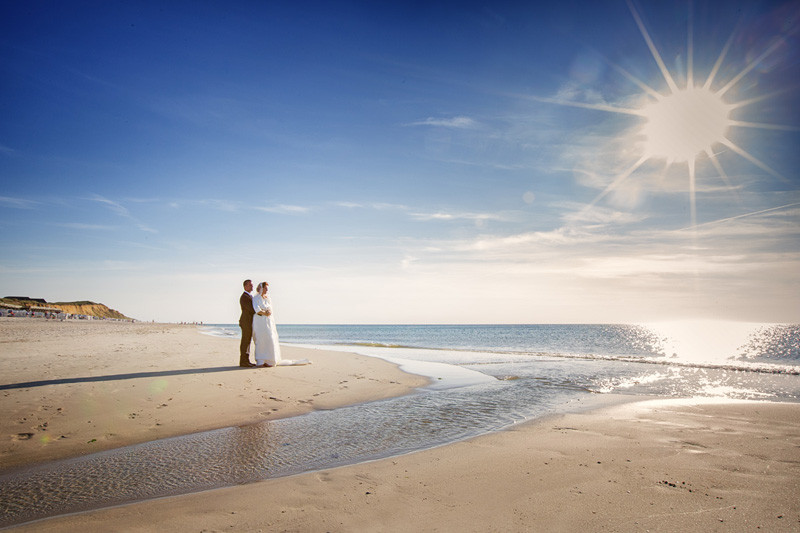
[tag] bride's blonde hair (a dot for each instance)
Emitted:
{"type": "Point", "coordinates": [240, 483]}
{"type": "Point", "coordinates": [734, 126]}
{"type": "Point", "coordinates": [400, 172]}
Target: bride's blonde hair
{"type": "Point", "coordinates": [261, 285]}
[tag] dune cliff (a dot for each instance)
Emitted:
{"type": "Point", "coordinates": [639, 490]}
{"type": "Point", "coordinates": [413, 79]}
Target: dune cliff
{"type": "Point", "coordinates": [89, 308]}
{"type": "Point", "coordinates": [75, 308]}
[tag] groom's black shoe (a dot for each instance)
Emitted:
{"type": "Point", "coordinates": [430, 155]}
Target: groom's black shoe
{"type": "Point", "coordinates": [248, 364]}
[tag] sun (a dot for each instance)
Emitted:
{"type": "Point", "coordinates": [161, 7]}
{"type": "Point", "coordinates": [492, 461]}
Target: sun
{"type": "Point", "coordinates": [685, 124]}
{"type": "Point", "coordinates": [681, 124]}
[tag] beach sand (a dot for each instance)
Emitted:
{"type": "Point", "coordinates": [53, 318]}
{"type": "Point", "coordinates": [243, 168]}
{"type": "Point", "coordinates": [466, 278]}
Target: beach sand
{"type": "Point", "coordinates": [76, 387]}
{"type": "Point", "coordinates": [645, 466]}
{"type": "Point", "coordinates": [655, 466]}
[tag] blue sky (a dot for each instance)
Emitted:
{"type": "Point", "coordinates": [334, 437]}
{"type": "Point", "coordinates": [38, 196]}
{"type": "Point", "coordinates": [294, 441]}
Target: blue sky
{"type": "Point", "coordinates": [436, 163]}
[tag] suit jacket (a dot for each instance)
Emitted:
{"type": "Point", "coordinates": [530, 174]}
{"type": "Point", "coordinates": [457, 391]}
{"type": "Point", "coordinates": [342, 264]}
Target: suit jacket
{"type": "Point", "coordinates": [246, 303]}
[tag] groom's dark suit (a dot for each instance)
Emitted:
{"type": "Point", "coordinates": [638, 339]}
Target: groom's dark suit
{"type": "Point", "coordinates": [246, 323]}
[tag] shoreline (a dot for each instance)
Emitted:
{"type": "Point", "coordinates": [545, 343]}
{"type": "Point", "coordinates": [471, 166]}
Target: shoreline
{"type": "Point", "coordinates": [616, 462]}
{"type": "Point", "coordinates": [76, 388]}
{"type": "Point", "coordinates": [654, 464]}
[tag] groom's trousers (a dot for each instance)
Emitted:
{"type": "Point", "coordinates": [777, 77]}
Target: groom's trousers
{"type": "Point", "coordinates": [244, 347]}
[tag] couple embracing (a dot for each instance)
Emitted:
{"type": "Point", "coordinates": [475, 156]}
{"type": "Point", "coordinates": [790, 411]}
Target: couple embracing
{"type": "Point", "coordinates": [258, 324]}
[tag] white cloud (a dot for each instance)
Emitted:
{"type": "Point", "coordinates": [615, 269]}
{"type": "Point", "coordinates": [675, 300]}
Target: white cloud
{"type": "Point", "coordinates": [80, 226]}
{"type": "Point", "coordinates": [7, 150]}
{"type": "Point", "coordinates": [139, 200]}
{"type": "Point", "coordinates": [385, 205]}
{"type": "Point", "coordinates": [788, 211]}
{"type": "Point", "coordinates": [632, 266]}
{"type": "Point", "coordinates": [115, 207]}
{"type": "Point", "coordinates": [227, 206]}
{"type": "Point", "coordinates": [408, 262]}
{"type": "Point", "coordinates": [284, 209]}
{"type": "Point", "coordinates": [599, 265]}
{"type": "Point", "coordinates": [378, 206]}
{"type": "Point", "coordinates": [443, 215]}
{"type": "Point", "coordinates": [18, 203]}
{"type": "Point", "coordinates": [572, 92]}
{"type": "Point", "coordinates": [146, 228]}
{"type": "Point", "coordinates": [122, 211]}
{"type": "Point", "coordinates": [458, 122]}
{"type": "Point", "coordinates": [522, 242]}
{"type": "Point", "coordinates": [597, 215]}
{"type": "Point", "coordinates": [735, 252]}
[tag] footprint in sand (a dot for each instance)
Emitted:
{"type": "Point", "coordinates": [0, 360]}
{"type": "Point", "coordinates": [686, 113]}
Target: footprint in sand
{"type": "Point", "coordinates": [22, 436]}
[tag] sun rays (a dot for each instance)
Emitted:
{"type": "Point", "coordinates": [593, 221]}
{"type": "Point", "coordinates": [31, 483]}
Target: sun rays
{"type": "Point", "coordinates": [683, 122]}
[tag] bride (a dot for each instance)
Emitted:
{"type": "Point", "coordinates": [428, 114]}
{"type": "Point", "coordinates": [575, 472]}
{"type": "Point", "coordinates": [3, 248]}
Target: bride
{"type": "Point", "coordinates": [265, 334]}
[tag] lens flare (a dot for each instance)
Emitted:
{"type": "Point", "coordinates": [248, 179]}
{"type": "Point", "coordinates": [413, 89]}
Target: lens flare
{"type": "Point", "coordinates": [157, 386]}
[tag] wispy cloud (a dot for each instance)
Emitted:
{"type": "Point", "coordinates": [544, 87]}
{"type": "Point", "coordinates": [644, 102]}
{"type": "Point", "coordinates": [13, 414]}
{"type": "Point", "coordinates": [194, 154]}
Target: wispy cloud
{"type": "Point", "coordinates": [598, 215]}
{"type": "Point", "coordinates": [201, 109]}
{"type": "Point", "coordinates": [523, 243]}
{"type": "Point", "coordinates": [736, 252]}
{"type": "Point", "coordinates": [572, 92]}
{"type": "Point", "coordinates": [458, 122]}
{"type": "Point", "coordinates": [661, 265]}
{"type": "Point", "coordinates": [787, 208]}
{"type": "Point", "coordinates": [224, 205]}
{"type": "Point", "coordinates": [115, 207]}
{"type": "Point", "coordinates": [284, 209]}
{"type": "Point", "coordinates": [81, 226]}
{"type": "Point", "coordinates": [378, 206]}
{"type": "Point", "coordinates": [386, 205]}
{"type": "Point", "coordinates": [407, 262]}
{"type": "Point", "coordinates": [228, 206]}
{"type": "Point", "coordinates": [18, 203]}
{"type": "Point", "coordinates": [146, 228]}
{"type": "Point", "coordinates": [139, 200]}
{"type": "Point", "coordinates": [444, 215]}
{"type": "Point", "coordinates": [121, 210]}
{"type": "Point", "coordinates": [7, 150]}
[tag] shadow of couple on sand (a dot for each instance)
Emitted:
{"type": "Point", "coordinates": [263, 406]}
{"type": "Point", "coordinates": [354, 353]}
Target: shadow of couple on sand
{"type": "Point", "coordinates": [118, 377]}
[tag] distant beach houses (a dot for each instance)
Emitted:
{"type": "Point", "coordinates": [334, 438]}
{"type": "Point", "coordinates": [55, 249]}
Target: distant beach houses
{"type": "Point", "coordinates": [24, 306]}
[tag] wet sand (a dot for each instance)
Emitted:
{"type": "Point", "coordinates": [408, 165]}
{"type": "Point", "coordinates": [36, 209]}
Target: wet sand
{"type": "Point", "coordinates": [651, 466]}
{"type": "Point", "coordinates": [76, 387]}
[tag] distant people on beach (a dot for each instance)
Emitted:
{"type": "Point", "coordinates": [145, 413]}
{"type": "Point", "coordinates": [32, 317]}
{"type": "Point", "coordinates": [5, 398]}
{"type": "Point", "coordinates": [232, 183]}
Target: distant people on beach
{"type": "Point", "coordinates": [258, 324]}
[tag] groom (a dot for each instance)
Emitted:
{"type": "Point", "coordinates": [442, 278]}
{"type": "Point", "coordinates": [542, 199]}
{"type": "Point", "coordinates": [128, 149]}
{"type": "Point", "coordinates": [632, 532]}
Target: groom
{"type": "Point", "coordinates": [246, 323]}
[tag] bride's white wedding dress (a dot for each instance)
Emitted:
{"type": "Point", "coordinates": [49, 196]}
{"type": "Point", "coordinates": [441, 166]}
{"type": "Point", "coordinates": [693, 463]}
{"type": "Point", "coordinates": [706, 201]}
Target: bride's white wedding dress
{"type": "Point", "coordinates": [265, 335]}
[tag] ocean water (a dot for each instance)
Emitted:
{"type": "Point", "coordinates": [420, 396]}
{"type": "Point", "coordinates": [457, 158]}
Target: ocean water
{"type": "Point", "coordinates": [677, 359]}
{"type": "Point", "coordinates": [484, 378]}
